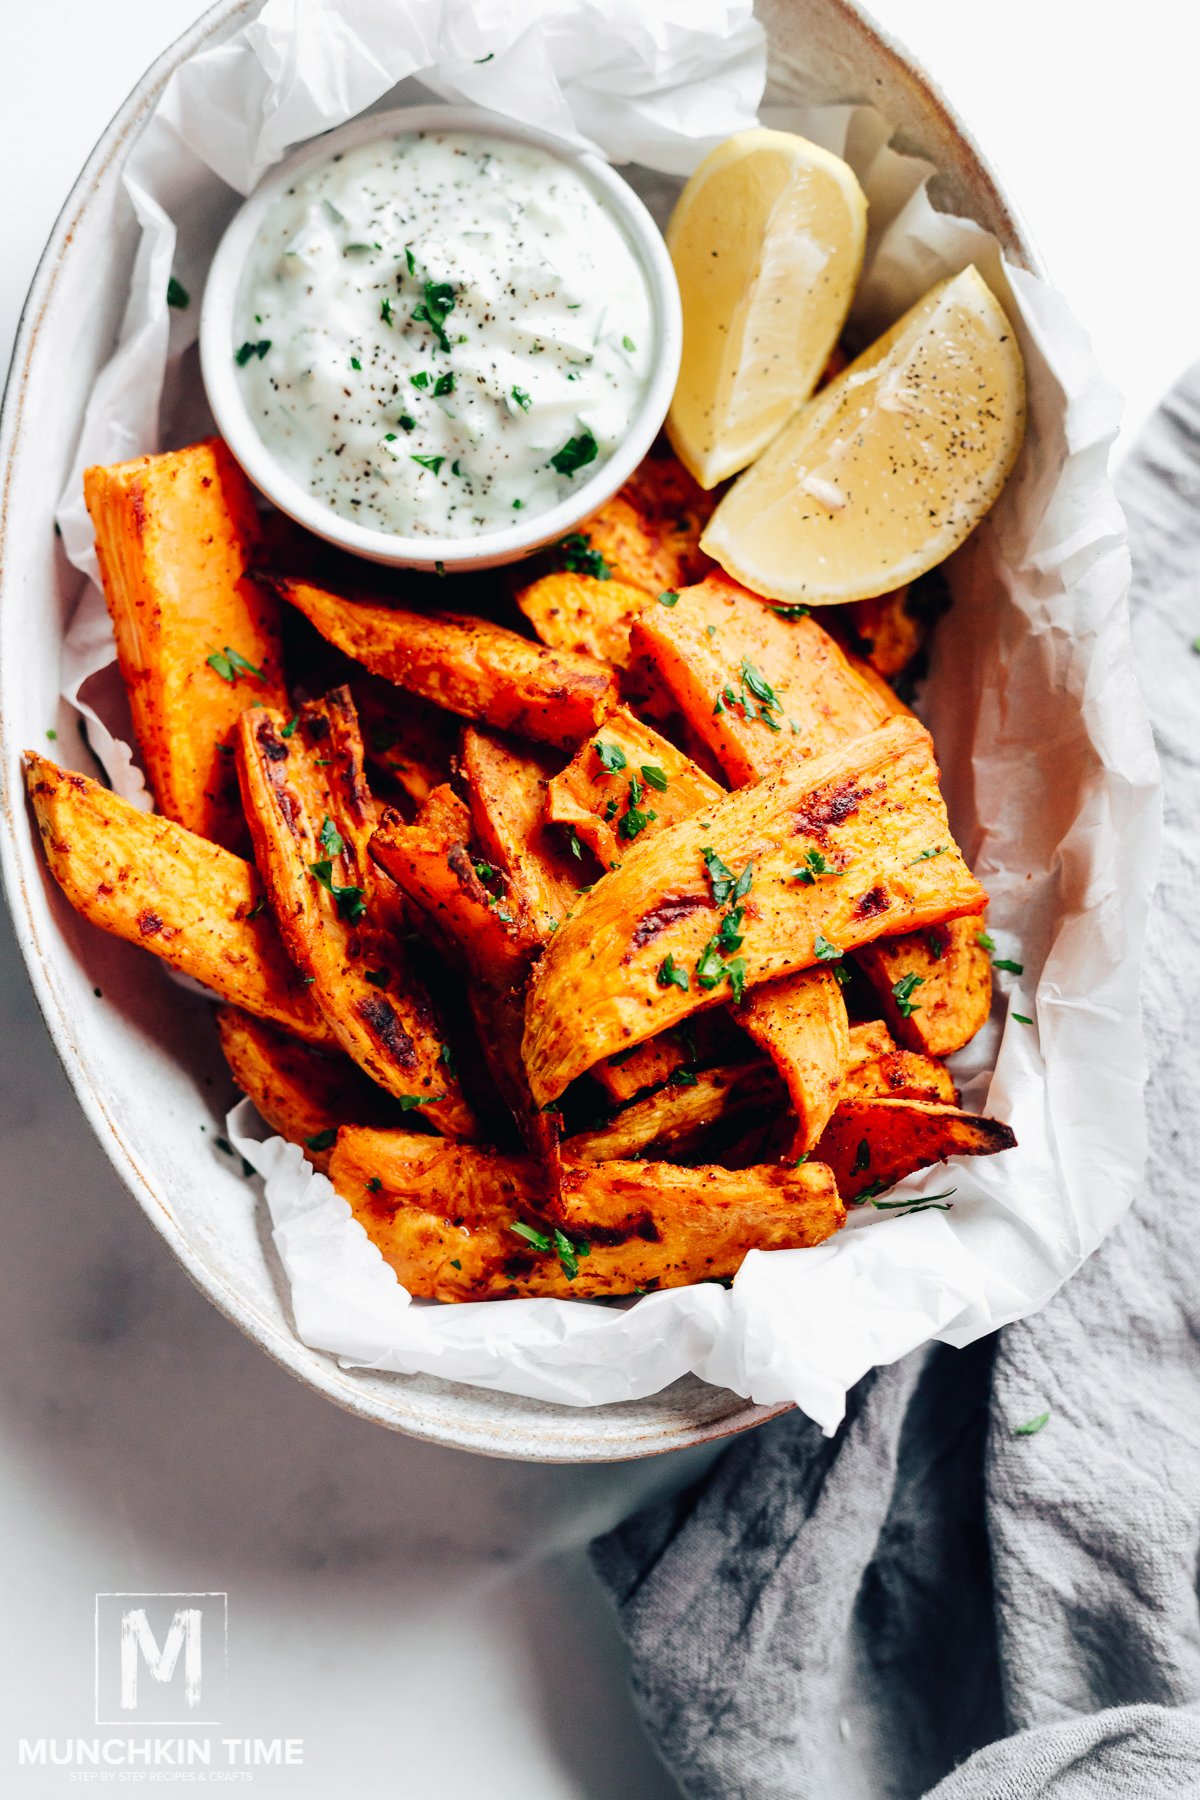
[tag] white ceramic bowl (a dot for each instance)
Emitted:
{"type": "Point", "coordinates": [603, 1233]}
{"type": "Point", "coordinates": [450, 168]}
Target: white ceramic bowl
{"type": "Point", "coordinates": [218, 334]}
{"type": "Point", "coordinates": [145, 1079]}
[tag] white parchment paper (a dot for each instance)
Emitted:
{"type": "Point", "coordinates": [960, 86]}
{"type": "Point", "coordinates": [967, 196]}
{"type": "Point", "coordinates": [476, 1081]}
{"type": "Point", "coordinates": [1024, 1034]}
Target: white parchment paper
{"type": "Point", "coordinates": [1044, 744]}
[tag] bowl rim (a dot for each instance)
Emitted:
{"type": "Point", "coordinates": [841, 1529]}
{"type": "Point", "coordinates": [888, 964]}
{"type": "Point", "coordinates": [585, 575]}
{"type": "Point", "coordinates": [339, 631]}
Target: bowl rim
{"type": "Point", "coordinates": [492, 549]}
{"type": "Point", "coordinates": [413, 1416]}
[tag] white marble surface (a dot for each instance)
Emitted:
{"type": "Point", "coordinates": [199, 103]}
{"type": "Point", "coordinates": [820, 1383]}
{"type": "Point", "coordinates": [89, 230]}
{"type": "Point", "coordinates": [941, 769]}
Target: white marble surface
{"type": "Point", "coordinates": [424, 1620]}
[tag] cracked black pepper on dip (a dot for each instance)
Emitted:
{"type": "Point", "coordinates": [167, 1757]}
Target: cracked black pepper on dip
{"type": "Point", "coordinates": [442, 332]}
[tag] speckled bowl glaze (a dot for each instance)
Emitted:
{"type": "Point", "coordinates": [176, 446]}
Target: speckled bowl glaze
{"type": "Point", "coordinates": [143, 1064]}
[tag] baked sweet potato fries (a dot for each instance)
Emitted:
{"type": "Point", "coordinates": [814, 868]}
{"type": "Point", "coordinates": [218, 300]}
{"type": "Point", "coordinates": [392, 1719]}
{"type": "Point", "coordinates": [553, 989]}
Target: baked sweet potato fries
{"type": "Point", "coordinates": [586, 945]}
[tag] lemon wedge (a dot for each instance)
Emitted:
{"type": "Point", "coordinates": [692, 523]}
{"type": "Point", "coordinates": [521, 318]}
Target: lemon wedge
{"type": "Point", "coordinates": [891, 466]}
{"type": "Point", "coordinates": [767, 240]}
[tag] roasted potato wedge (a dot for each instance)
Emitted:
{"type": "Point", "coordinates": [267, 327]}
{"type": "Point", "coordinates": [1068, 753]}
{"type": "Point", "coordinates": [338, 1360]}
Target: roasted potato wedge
{"type": "Point", "coordinates": [405, 738]}
{"type": "Point", "coordinates": [508, 783]}
{"type": "Point", "coordinates": [469, 666]}
{"type": "Point", "coordinates": [707, 1038]}
{"type": "Point", "coordinates": [762, 691]}
{"type": "Point", "coordinates": [432, 863]}
{"type": "Point", "coordinates": [872, 1144]}
{"type": "Point", "coordinates": [676, 1118]}
{"type": "Point", "coordinates": [191, 902]}
{"type": "Point", "coordinates": [883, 631]}
{"type": "Point", "coordinates": [935, 985]}
{"type": "Point", "coordinates": [196, 642]}
{"type": "Point", "coordinates": [499, 1023]}
{"type": "Point", "coordinates": [444, 1215]}
{"type": "Point", "coordinates": [300, 1093]}
{"type": "Point", "coordinates": [801, 1023]}
{"type": "Point", "coordinates": [869, 812]}
{"type": "Point", "coordinates": [624, 784]}
{"type": "Point", "coordinates": [311, 817]}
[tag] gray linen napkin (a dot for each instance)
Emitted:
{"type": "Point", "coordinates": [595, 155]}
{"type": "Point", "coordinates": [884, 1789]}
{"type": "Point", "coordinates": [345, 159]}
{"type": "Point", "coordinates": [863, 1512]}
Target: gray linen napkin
{"type": "Point", "coordinates": [932, 1603]}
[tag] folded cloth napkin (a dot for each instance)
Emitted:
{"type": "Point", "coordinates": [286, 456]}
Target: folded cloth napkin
{"type": "Point", "coordinates": [936, 1601]}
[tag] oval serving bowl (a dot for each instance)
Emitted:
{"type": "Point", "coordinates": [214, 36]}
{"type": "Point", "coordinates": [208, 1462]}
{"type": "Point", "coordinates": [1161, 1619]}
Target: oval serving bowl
{"type": "Point", "coordinates": [144, 1079]}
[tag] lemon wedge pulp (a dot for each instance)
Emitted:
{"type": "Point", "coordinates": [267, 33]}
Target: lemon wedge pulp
{"type": "Point", "coordinates": [767, 241]}
{"type": "Point", "coordinates": [891, 466]}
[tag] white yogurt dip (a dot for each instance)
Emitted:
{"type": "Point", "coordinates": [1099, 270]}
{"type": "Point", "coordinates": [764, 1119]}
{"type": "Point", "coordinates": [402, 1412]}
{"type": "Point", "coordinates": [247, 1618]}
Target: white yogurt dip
{"type": "Point", "coordinates": [442, 332]}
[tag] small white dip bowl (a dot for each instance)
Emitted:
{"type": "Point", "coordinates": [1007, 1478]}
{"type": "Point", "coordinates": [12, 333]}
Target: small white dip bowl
{"type": "Point", "coordinates": [219, 338]}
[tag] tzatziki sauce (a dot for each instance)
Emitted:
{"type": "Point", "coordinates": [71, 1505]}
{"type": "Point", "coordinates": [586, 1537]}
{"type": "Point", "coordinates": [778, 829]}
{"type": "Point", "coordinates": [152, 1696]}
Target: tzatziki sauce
{"type": "Point", "coordinates": [442, 333]}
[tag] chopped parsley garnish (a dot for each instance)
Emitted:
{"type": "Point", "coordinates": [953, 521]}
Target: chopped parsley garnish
{"type": "Point", "coordinates": [386, 311]}
{"type": "Point", "coordinates": [454, 1263]}
{"type": "Point", "coordinates": [683, 1078]}
{"type": "Point", "coordinates": [432, 463]}
{"type": "Point", "coordinates": [934, 1203]}
{"type": "Point", "coordinates": [330, 838]}
{"type": "Point", "coordinates": [349, 900]}
{"type": "Point", "coordinates": [446, 1057]}
{"type": "Point", "coordinates": [862, 1157]}
{"type": "Point", "coordinates": [556, 1242]}
{"type": "Point", "coordinates": [927, 855]}
{"type": "Point", "coordinates": [731, 925]}
{"type": "Point", "coordinates": [627, 343]}
{"type": "Point", "coordinates": [409, 1101]}
{"type": "Point", "coordinates": [1022, 1019]}
{"type": "Point", "coordinates": [760, 687]}
{"type": "Point", "coordinates": [177, 295]}
{"type": "Point", "coordinates": [523, 400]}
{"type": "Point", "coordinates": [824, 950]}
{"type": "Point", "coordinates": [935, 944]}
{"type": "Point", "coordinates": [247, 350]}
{"type": "Point", "coordinates": [354, 363]}
{"type": "Point", "coordinates": [903, 991]}
{"type": "Point", "coordinates": [1006, 963]}
{"type": "Point", "coordinates": [671, 975]}
{"type": "Point", "coordinates": [444, 384]}
{"type": "Point", "coordinates": [575, 454]}
{"type": "Point", "coordinates": [322, 1140]}
{"type": "Point", "coordinates": [374, 1184]}
{"type": "Point", "coordinates": [420, 379]}
{"type": "Point", "coordinates": [406, 422]}
{"type": "Point", "coordinates": [668, 597]}
{"type": "Point", "coordinates": [985, 941]}
{"type": "Point", "coordinates": [1031, 1427]}
{"type": "Point", "coordinates": [578, 556]}
{"type": "Point", "coordinates": [434, 310]}
{"type": "Point", "coordinates": [410, 259]}
{"type": "Point", "coordinates": [655, 777]}
{"type": "Point", "coordinates": [720, 877]}
{"type": "Point", "coordinates": [814, 865]}
{"type": "Point", "coordinates": [757, 698]}
{"type": "Point", "coordinates": [229, 664]}
{"type": "Point", "coordinates": [612, 757]}
{"type": "Point", "coordinates": [485, 871]}
{"type": "Point", "coordinates": [711, 967]}
{"type": "Point", "coordinates": [634, 821]}
{"type": "Point", "coordinates": [791, 612]}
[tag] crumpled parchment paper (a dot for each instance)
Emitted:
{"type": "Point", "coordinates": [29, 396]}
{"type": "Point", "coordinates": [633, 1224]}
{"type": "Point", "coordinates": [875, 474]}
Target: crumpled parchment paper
{"type": "Point", "coordinates": [1043, 739]}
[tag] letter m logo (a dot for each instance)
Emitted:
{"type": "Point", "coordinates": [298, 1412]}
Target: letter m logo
{"type": "Point", "coordinates": [160, 1658]}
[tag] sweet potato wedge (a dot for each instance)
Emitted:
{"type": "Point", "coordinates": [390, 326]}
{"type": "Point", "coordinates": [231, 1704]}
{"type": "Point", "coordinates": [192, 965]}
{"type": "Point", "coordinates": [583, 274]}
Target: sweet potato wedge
{"type": "Point", "coordinates": [899, 1075]}
{"type": "Point", "coordinates": [431, 861]}
{"type": "Point", "coordinates": [650, 944]}
{"type": "Point", "coordinates": [675, 1119]}
{"type": "Point", "coordinates": [708, 1038]}
{"type": "Point", "coordinates": [311, 817]}
{"type": "Point", "coordinates": [443, 1216]}
{"type": "Point", "coordinates": [883, 631]}
{"type": "Point", "coordinates": [191, 902]}
{"type": "Point", "coordinates": [405, 738]}
{"type": "Point", "coordinates": [195, 641]}
{"type": "Point", "coordinates": [508, 782]}
{"type": "Point", "coordinates": [301, 1094]}
{"type": "Point", "coordinates": [625, 783]}
{"type": "Point", "coordinates": [762, 691]}
{"type": "Point", "coordinates": [872, 1144]}
{"type": "Point", "coordinates": [935, 986]}
{"type": "Point", "coordinates": [801, 1023]}
{"type": "Point", "coordinates": [499, 1017]}
{"type": "Point", "coordinates": [467, 665]}
{"type": "Point", "coordinates": [583, 614]}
